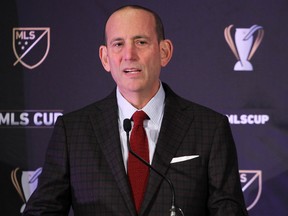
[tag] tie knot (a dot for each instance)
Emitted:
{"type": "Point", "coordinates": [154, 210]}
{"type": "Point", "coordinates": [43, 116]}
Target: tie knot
{"type": "Point", "coordinates": [138, 117]}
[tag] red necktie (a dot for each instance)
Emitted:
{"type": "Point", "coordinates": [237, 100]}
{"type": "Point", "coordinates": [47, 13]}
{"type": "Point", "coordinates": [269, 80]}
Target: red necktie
{"type": "Point", "coordinates": [138, 172]}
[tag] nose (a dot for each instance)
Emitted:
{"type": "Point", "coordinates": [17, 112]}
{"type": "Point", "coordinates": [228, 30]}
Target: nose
{"type": "Point", "coordinates": [130, 52]}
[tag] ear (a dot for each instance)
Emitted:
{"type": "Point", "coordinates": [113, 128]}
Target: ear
{"type": "Point", "coordinates": [103, 55]}
{"type": "Point", "coordinates": [166, 51]}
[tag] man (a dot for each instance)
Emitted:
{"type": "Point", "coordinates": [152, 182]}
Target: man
{"type": "Point", "coordinates": [87, 158]}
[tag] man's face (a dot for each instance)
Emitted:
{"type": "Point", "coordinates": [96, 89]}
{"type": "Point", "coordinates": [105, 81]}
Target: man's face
{"type": "Point", "coordinates": [133, 52]}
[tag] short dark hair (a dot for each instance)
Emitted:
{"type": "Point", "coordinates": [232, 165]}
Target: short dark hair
{"type": "Point", "coordinates": [158, 22]}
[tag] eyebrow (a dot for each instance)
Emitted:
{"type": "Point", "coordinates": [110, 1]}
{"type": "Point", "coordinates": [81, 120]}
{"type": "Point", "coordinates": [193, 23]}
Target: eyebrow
{"type": "Point", "coordinates": [134, 38]}
{"type": "Point", "coordinates": [115, 39]}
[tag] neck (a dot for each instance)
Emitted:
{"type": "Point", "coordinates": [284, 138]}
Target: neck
{"type": "Point", "coordinates": [137, 100]}
{"type": "Point", "coordinates": [140, 99]}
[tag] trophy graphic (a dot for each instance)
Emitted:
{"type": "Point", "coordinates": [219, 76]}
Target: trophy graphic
{"type": "Point", "coordinates": [29, 182]}
{"type": "Point", "coordinates": [244, 42]}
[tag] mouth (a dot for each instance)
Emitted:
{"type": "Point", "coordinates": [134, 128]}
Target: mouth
{"type": "Point", "coordinates": [132, 70]}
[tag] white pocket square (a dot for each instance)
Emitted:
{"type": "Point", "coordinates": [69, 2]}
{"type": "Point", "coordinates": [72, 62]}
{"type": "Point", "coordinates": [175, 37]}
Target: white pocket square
{"type": "Point", "coordinates": [183, 158]}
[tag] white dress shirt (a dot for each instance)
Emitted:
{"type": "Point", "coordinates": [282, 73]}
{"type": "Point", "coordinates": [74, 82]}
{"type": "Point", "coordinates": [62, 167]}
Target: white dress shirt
{"type": "Point", "coordinates": [154, 109]}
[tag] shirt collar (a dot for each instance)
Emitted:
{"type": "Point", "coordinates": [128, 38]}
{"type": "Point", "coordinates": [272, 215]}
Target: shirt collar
{"type": "Point", "coordinates": [154, 108]}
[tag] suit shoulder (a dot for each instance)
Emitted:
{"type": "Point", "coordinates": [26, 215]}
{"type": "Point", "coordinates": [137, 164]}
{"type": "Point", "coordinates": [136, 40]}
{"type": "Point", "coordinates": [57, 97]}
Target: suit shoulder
{"type": "Point", "coordinates": [189, 105]}
{"type": "Point", "coordinates": [192, 109]}
{"type": "Point", "coordinates": [97, 106]}
{"type": "Point", "coordinates": [200, 109]}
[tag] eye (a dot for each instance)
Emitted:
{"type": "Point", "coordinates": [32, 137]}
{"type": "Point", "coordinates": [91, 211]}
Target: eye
{"type": "Point", "coordinates": [117, 44]}
{"type": "Point", "coordinates": [141, 42]}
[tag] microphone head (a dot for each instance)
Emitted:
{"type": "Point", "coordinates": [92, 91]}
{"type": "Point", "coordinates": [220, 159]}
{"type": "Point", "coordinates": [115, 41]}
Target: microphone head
{"type": "Point", "coordinates": [127, 125]}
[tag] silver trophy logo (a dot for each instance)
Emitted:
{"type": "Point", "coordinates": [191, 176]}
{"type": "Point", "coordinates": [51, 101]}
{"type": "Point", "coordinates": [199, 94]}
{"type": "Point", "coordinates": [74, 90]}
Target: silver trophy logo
{"type": "Point", "coordinates": [246, 45]}
{"type": "Point", "coordinates": [25, 182]}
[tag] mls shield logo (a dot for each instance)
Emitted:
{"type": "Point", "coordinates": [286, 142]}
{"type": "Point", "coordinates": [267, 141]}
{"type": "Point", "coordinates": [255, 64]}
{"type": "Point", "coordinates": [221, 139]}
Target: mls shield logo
{"type": "Point", "coordinates": [30, 46]}
{"type": "Point", "coordinates": [251, 181]}
{"type": "Point", "coordinates": [246, 45]}
{"type": "Point", "coordinates": [25, 183]}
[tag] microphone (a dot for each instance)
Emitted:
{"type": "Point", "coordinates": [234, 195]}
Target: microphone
{"type": "Point", "coordinates": [127, 128]}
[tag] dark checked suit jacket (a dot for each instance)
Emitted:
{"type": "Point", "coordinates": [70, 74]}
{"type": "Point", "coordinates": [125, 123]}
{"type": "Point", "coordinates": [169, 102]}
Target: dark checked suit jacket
{"type": "Point", "coordinates": [84, 166]}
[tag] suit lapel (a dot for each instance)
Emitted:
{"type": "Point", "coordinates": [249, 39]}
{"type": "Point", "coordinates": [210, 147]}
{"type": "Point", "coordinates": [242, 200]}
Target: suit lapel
{"type": "Point", "coordinates": [105, 124]}
{"type": "Point", "coordinates": [174, 126]}
{"type": "Point", "coordinates": [175, 123]}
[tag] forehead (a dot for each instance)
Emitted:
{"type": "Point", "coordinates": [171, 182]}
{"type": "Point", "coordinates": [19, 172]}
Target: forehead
{"type": "Point", "coordinates": [130, 20]}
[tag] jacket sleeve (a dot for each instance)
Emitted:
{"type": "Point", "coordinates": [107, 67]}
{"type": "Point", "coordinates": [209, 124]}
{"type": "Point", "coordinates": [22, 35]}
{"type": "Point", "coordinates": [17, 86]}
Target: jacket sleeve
{"type": "Point", "coordinates": [225, 193]}
{"type": "Point", "coordinates": [52, 196]}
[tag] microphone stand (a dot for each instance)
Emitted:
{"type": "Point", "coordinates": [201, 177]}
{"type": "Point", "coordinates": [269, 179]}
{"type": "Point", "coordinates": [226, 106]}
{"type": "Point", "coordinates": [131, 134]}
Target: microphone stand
{"type": "Point", "coordinates": [127, 128]}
